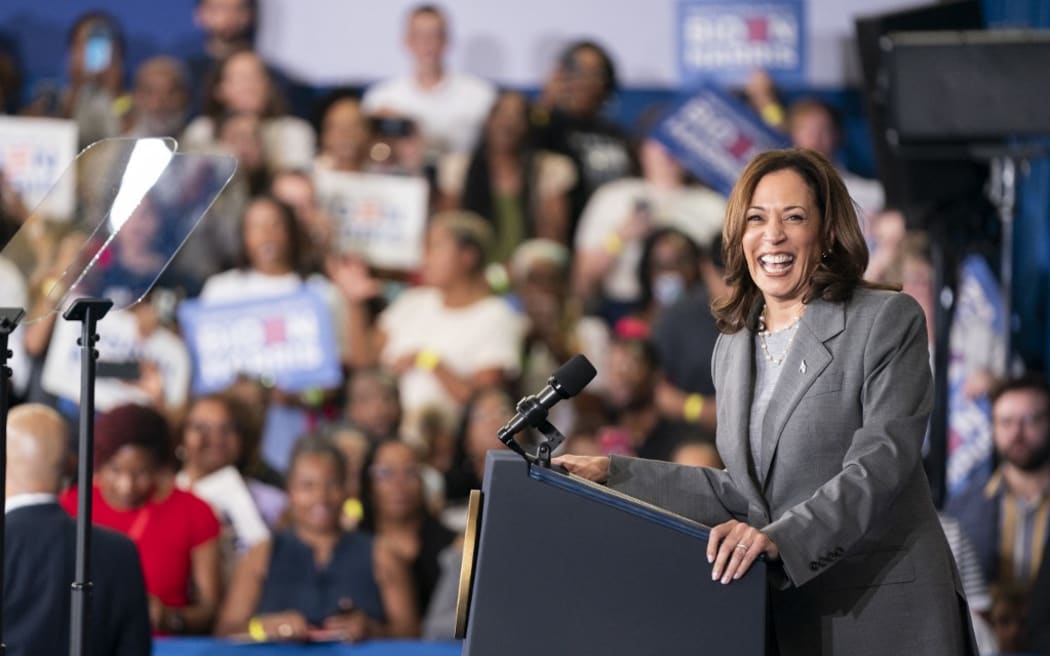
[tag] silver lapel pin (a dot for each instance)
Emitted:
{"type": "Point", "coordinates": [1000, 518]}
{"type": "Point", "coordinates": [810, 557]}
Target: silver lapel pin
{"type": "Point", "coordinates": [802, 367]}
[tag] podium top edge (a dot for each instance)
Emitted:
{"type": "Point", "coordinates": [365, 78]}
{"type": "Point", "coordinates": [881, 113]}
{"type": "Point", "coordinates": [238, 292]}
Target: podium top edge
{"type": "Point", "coordinates": [610, 497]}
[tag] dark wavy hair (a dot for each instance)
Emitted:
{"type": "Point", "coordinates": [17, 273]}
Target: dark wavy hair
{"type": "Point", "coordinates": [478, 195]}
{"type": "Point", "coordinates": [844, 253]}
{"type": "Point", "coordinates": [567, 61]}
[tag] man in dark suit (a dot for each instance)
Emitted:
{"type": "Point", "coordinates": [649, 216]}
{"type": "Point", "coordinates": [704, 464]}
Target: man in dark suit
{"type": "Point", "coordinates": [40, 549]}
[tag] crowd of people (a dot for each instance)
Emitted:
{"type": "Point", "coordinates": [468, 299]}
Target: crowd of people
{"type": "Point", "coordinates": [282, 515]}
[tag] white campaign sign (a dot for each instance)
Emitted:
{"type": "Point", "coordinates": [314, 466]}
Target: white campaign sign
{"type": "Point", "coordinates": [34, 152]}
{"type": "Point", "coordinates": [379, 217]}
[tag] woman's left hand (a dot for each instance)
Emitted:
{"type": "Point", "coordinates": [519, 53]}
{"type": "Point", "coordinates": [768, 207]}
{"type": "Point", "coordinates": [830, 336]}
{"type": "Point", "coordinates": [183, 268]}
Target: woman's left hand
{"type": "Point", "coordinates": [733, 546]}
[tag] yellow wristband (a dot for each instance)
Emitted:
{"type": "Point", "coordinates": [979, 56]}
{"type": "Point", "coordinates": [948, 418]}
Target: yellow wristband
{"type": "Point", "coordinates": [613, 244]}
{"type": "Point", "coordinates": [256, 630]}
{"type": "Point", "coordinates": [427, 360]}
{"type": "Point", "coordinates": [694, 405]}
{"type": "Point", "coordinates": [353, 509]}
{"type": "Point", "coordinates": [313, 397]}
{"type": "Point", "coordinates": [773, 114]}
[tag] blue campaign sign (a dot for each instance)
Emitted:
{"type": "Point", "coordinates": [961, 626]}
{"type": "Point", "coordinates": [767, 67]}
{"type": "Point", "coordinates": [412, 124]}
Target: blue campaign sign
{"type": "Point", "coordinates": [725, 40]}
{"type": "Point", "coordinates": [289, 338]}
{"type": "Point", "coordinates": [714, 136]}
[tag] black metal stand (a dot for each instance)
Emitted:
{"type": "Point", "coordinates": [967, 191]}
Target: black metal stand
{"type": "Point", "coordinates": [9, 319]}
{"type": "Point", "coordinates": [88, 311]}
{"type": "Point", "coordinates": [531, 407]}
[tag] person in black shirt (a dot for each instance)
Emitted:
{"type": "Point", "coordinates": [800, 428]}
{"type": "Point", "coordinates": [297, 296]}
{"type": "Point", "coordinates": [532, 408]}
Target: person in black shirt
{"type": "Point", "coordinates": [574, 126]}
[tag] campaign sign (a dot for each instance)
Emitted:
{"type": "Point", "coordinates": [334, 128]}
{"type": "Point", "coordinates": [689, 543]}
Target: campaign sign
{"type": "Point", "coordinates": [379, 217]}
{"type": "Point", "coordinates": [287, 338]}
{"type": "Point", "coordinates": [724, 41]}
{"type": "Point", "coordinates": [714, 136]}
{"type": "Point", "coordinates": [34, 152]}
{"type": "Point", "coordinates": [977, 340]}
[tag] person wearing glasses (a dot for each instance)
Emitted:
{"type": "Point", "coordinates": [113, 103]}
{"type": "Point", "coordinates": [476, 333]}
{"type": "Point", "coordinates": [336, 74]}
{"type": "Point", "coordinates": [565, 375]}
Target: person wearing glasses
{"type": "Point", "coordinates": [395, 509]}
{"type": "Point", "coordinates": [315, 580]}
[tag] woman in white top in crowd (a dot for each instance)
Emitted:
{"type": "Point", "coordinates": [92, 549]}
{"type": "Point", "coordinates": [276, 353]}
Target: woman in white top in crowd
{"type": "Point", "coordinates": [621, 214]}
{"type": "Point", "coordinates": [241, 84]}
{"type": "Point", "coordinates": [446, 339]}
{"type": "Point", "coordinates": [274, 264]}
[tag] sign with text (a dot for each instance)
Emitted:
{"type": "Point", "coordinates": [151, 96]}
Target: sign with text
{"type": "Point", "coordinates": [34, 153]}
{"type": "Point", "coordinates": [714, 136]}
{"type": "Point", "coordinates": [382, 218]}
{"type": "Point", "coordinates": [287, 338]}
{"type": "Point", "coordinates": [725, 41]}
{"type": "Point", "coordinates": [977, 342]}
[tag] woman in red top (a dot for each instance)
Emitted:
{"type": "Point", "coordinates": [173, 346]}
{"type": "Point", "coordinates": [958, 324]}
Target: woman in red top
{"type": "Point", "coordinates": [175, 532]}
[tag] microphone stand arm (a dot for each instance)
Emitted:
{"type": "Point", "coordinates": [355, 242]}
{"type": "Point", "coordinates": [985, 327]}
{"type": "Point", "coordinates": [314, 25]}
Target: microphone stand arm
{"type": "Point", "coordinates": [536, 415]}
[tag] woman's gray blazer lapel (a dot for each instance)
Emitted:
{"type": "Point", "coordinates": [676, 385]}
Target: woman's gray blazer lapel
{"type": "Point", "coordinates": [733, 377]}
{"type": "Point", "coordinates": [806, 360]}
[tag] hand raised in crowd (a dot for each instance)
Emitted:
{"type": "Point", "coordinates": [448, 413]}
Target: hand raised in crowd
{"type": "Point", "coordinates": [350, 273]}
{"type": "Point", "coordinates": [760, 89]}
{"type": "Point", "coordinates": [593, 468]}
{"type": "Point", "coordinates": [732, 547]}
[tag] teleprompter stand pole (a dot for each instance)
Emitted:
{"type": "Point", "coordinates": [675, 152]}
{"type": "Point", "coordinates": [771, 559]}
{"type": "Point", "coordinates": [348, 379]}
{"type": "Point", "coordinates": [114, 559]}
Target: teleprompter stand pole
{"type": "Point", "coordinates": [88, 311]}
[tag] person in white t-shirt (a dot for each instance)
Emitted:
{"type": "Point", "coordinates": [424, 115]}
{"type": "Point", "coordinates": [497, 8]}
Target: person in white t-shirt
{"type": "Point", "coordinates": [449, 107]}
{"type": "Point", "coordinates": [621, 213]}
{"type": "Point", "coordinates": [275, 264]}
{"type": "Point", "coordinates": [447, 339]}
{"type": "Point", "coordinates": [242, 84]}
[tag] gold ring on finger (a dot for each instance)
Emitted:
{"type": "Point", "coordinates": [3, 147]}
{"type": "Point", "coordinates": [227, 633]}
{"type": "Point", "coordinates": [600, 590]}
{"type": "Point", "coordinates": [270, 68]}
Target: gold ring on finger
{"type": "Point", "coordinates": [745, 547]}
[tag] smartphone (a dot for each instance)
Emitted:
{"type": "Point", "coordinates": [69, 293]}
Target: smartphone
{"type": "Point", "coordinates": [98, 51]}
{"type": "Point", "coordinates": [121, 370]}
{"type": "Point", "coordinates": [393, 126]}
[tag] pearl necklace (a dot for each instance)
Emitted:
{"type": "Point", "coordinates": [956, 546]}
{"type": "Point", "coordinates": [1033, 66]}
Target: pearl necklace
{"type": "Point", "coordinates": [763, 334]}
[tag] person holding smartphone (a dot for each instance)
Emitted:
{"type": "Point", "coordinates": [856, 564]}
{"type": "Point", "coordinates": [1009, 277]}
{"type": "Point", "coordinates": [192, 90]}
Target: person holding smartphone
{"type": "Point", "coordinates": [96, 93]}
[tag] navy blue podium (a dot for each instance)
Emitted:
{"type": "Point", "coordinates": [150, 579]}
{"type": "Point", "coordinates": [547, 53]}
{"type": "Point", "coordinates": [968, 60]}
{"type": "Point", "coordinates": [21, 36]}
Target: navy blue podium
{"type": "Point", "coordinates": [554, 565]}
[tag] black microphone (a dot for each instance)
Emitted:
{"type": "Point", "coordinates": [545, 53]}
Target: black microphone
{"type": "Point", "coordinates": [566, 383]}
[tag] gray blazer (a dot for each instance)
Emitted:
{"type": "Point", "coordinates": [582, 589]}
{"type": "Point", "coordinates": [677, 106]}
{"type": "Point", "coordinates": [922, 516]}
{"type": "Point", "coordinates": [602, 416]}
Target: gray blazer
{"type": "Point", "coordinates": [864, 566]}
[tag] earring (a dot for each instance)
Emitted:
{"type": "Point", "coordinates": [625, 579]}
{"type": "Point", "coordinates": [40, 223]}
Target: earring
{"type": "Point", "coordinates": [825, 255]}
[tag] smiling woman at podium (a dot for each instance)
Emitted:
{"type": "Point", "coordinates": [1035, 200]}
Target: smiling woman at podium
{"type": "Point", "coordinates": [823, 391]}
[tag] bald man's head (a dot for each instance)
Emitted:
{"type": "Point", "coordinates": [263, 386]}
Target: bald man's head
{"type": "Point", "coordinates": [36, 449]}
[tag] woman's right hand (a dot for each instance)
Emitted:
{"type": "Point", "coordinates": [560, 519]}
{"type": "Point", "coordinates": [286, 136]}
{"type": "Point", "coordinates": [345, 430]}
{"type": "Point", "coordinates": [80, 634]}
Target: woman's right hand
{"type": "Point", "coordinates": [593, 468]}
{"type": "Point", "coordinates": [287, 625]}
